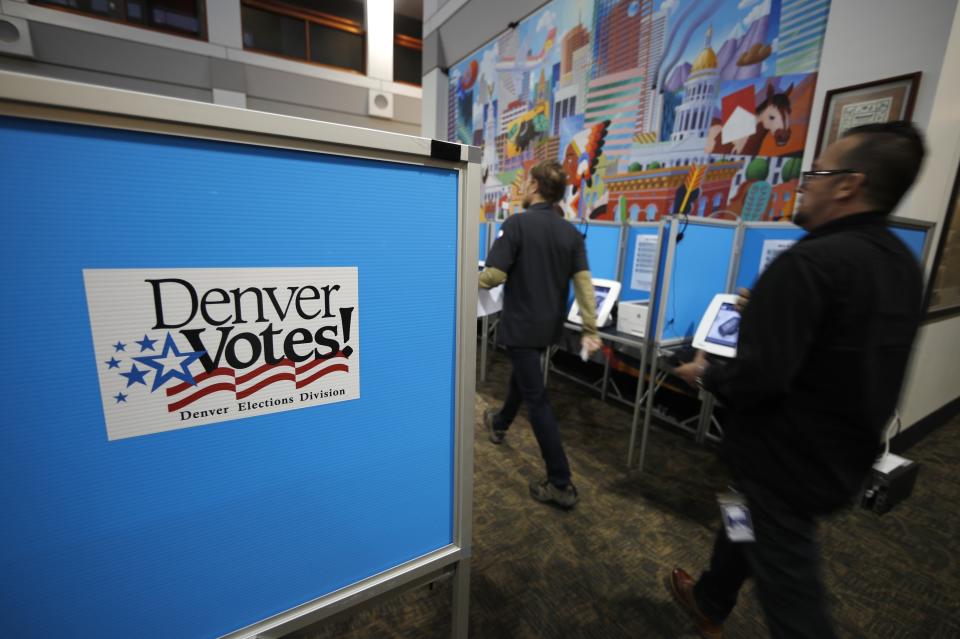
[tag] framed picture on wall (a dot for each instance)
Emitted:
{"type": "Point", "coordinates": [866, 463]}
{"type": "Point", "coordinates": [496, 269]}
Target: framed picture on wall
{"type": "Point", "coordinates": [943, 290]}
{"type": "Point", "coordinates": [880, 101]}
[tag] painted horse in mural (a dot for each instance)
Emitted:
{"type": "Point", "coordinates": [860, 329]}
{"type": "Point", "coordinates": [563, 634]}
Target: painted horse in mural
{"type": "Point", "coordinates": [773, 118]}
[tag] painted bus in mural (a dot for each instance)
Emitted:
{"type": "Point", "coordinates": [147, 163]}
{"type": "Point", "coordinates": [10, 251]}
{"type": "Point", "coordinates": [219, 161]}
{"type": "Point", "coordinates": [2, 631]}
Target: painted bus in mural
{"type": "Point", "coordinates": [654, 107]}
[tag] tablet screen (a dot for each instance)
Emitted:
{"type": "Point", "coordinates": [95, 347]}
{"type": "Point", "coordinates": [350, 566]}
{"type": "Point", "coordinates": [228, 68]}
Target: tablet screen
{"type": "Point", "coordinates": [600, 292]}
{"type": "Point", "coordinates": [726, 326]}
{"type": "Point", "coordinates": [605, 293]}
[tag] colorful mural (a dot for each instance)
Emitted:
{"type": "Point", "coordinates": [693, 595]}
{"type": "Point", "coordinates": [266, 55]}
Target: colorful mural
{"type": "Point", "coordinates": [654, 107]}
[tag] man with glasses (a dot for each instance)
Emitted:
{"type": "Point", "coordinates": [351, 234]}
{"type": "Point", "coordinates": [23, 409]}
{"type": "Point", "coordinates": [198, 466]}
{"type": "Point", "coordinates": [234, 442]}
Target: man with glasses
{"type": "Point", "coordinates": [824, 344]}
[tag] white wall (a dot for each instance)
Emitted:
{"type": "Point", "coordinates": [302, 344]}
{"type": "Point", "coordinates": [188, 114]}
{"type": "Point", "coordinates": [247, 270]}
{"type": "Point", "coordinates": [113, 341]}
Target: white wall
{"type": "Point", "coordinates": [934, 378]}
{"type": "Point", "coordinates": [872, 39]}
{"type": "Point", "coordinates": [869, 40]}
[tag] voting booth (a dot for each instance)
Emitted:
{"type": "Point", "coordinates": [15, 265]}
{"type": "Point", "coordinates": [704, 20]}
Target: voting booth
{"type": "Point", "coordinates": [696, 264]}
{"type": "Point", "coordinates": [210, 427]}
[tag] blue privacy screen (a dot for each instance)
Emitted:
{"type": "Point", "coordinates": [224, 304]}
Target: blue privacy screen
{"type": "Point", "coordinates": [199, 531]}
{"type": "Point", "coordinates": [915, 238]}
{"type": "Point", "coordinates": [751, 252]}
{"type": "Point", "coordinates": [482, 250]}
{"type": "Point", "coordinates": [603, 244]}
{"type": "Point", "coordinates": [701, 261]}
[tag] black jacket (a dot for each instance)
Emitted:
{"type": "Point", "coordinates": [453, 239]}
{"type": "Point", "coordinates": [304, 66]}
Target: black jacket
{"type": "Point", "coordinates": [824, 344]}
{"type": "Point", "coordinates": [539, 251]}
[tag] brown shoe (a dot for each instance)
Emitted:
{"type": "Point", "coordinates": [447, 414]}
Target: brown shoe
{"type": "Point", "coordinates": [680, 585]}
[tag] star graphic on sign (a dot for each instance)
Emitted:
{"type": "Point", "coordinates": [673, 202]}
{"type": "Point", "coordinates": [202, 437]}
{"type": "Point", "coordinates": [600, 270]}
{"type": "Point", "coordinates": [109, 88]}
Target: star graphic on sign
{"type": "Point", "coordinates": [135, 376]}
{"type": "Point", "coordinates": [170, 364]}
{"type": "Point", "coordinates": [146, 344]}
{"type": "Point", "coordinates": [119, 346]}
{"type": "Point", "coordinates": [113, 362]}
{"type": "Point", "coordinates": [120, 397]}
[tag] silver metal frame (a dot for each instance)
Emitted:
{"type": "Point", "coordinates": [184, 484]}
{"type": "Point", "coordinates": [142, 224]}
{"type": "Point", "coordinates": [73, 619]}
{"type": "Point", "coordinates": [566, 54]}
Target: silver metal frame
{"type": "Point", "coordinates": [57, 100]}
{"type": "Point", "coordinates": [735, 258]}
{"type": "Point", "coordinates": [657, 341]}
{"type": "Point", "coordinates": [645, 354]}
{"type": "Point", "coordinates": [621, 259]}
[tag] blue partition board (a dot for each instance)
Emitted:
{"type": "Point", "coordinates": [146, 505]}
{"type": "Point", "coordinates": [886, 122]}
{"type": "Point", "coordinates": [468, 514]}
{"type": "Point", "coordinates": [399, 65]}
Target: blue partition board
{"type": "Point", "coordinates": [200, 531]}
{"type": "Point", "coordinates": [914, 238]}
{"type": "Point", "coordinates": [627, 293]}
{"type": "Point", "coordinates": [701, 262]}
{"type": "Point", "coordinates": [484, 240]}
{"type": "Point", "coordinates": [603, 244]}
{"type": "Point", "coordinates": [752, 250]}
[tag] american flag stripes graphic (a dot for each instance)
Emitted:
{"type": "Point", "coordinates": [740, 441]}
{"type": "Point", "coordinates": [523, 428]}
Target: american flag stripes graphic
{"type": "Point", "coordinates": [245, 384]}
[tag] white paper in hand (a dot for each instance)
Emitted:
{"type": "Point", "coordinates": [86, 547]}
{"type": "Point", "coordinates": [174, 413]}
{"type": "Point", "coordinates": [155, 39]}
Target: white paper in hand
{"type": "Point", "coordinates": [489, 301]}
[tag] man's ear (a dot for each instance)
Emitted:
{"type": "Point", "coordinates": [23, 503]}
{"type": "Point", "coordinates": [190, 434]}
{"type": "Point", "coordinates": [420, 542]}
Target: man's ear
{"type": "Point", "coordinates": [851, 186]}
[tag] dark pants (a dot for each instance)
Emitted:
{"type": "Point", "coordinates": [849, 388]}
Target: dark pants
{"type": "Point", "coordinates": [784, 560]}
{"type": "Point", "coordinates": [526, 385]}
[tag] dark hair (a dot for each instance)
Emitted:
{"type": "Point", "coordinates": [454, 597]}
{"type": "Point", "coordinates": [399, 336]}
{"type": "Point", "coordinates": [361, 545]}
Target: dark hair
{"type": "Point", "coordinates": [551, 180]}
{"type": "Point", "coordinates": [890, 155]}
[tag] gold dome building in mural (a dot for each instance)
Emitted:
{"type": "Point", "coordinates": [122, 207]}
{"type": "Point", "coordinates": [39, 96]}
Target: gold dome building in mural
{"type": "Point", "coordinates": [649, 194]}
{"type": "Point", "coordinates": [707, 59]}
{"type": "Point", "coordinates": [700, 93]}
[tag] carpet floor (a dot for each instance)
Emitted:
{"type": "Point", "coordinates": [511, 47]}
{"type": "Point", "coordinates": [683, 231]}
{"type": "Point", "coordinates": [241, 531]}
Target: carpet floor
{"type": "Point", "coordinates": [596, 571]}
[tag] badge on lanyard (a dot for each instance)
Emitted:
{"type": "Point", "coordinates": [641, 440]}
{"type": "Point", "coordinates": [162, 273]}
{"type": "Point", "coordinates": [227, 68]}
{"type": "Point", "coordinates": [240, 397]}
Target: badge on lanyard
{"type": "Point", "coordinates": [736, 517]}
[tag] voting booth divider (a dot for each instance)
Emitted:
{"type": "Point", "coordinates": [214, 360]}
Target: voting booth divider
{"type": "Point", "coordinates": [211, 426]}
{"type": "Point", "coordinates": [604, 248]}
{"type": "Point", "coordinates": [677, 265]}
{"type": "Point", "coordinates": [484, 241]}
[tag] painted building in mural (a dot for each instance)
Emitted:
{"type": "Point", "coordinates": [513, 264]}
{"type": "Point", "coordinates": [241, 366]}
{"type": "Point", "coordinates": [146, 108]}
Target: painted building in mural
{"type": "Point", "coordinates": [652, 106]}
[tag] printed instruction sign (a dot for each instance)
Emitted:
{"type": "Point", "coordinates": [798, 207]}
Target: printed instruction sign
{"type": "Point", "coordinates": [644, 259]}
{"type": "Point", "coordinates": [177, 348]}
{"type": "Point", "coordinates": [771, 249]}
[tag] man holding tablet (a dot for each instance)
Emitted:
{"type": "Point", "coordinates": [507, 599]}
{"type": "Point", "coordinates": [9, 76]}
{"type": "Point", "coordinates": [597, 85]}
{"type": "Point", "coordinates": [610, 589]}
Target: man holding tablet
{"type": "Point", "coordinates": [536, 255]}
{"type": "Point", "coordinates": [823, 347]}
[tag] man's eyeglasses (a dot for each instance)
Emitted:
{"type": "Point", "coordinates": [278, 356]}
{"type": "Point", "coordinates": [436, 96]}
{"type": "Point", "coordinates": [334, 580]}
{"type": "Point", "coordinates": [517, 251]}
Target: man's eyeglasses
{"type": "Point", "coordinates": [806, 175]}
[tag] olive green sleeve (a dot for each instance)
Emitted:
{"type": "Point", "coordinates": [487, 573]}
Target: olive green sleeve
{"type": "Point", "coordinates": [583, 291]}
{"type": "Point", "coordinates": [491, 277]}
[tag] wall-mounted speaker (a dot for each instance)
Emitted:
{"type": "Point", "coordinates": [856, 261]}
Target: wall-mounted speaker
{"type": "Point", "coordinates": [380, 104]}
{"type": "Point", "coordinates": [15, 37]}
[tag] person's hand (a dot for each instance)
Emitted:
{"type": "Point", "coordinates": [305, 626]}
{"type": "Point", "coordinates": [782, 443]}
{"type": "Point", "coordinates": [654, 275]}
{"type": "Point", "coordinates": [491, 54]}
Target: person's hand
{"type": "Point", "coordinates": [743, 296]}
{"type": "Point", "coordinates": [692, 371]}
{"type": "Point", "coordinates": [590, 343]}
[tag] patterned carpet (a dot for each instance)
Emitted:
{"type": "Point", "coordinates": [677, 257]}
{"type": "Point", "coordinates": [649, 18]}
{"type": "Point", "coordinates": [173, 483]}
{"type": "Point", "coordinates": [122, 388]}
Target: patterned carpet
{"type": "Point", "coordinates": [595, 572]}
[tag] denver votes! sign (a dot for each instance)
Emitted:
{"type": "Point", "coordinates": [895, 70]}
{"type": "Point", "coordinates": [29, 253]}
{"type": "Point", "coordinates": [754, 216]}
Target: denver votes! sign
{"type": "Point", "coordinates": [185, 347]}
